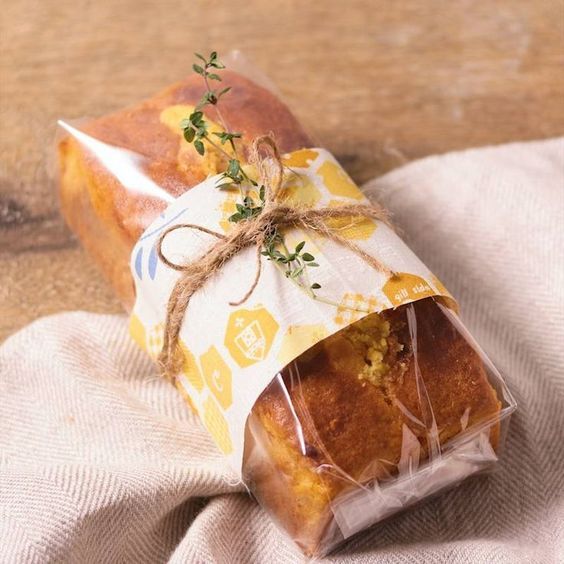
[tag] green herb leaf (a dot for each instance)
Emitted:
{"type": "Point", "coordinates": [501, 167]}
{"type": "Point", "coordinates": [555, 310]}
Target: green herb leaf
{"type": "Point", "coordinates": [189, 134]}
{"type": "Point", "coordinates": [308, 257]}
{"type": "Point", "coordinates": [315, 286]}
{"type": "Point", "coordinates": [233, 168]}
{"type": "Point", "coordinates": [196, 117]}
{"type": "Point", "coordinates": [236, 217]}
{"type": "Point", "coordinates": [199, 146]}
{"type": "Point", "coordinates": [226, 136]}
{"type": "Point", "coordinates": [300, 246]}
{"type": "Point", "coordinates": [198, 69]}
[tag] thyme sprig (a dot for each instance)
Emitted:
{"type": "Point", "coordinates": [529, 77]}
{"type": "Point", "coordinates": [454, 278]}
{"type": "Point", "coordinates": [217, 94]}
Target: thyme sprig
{"type": "Point", "coordinates": [295, 265]}
{"type": "Point", "coordinates": [195, 127]}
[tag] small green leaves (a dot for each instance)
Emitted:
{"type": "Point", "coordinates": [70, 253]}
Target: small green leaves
{"type": "Point", "coordinates": [225, 137]}
{"type": "Point", "coordinates": [234, 175]}
{"type": "Point", "coordinates": [207, 98]}
{"type": "Point", "coordinates": [212, 97]}
{"type": "Point", "coordinates": [199, 146]}
{"type": "Point", "coordinates": [246, 210]}
{"type": "Point", "coordinates": [228, 137]}
{"type": "Point", "coordinates": [189, 134]}
{"type": "Point", "coordinates": [214, 61]}
{"type": "Point", "coordinates": [195, 128]}
{"type": "Point", "coordinates": [196, 118]}
{"type": "Point", "coordinates": [295, 263]}
{"type": "Point", "coordinates": [234, 168]}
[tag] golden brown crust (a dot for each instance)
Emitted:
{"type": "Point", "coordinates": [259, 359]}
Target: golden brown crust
{"type": "Point", "coordinates": [357, 427]}
{"type": "Point", "coordinates": [150, 134]}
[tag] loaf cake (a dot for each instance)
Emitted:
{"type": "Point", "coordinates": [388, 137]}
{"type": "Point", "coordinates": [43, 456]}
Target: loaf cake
{"type": "Point", "coordinates": [353, 394]}
{"type": "Point", "coordinates": [336, 418]}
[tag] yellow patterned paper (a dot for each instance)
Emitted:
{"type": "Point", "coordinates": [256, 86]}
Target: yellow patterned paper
{"type": "Point", "coordinates": [232, 353]}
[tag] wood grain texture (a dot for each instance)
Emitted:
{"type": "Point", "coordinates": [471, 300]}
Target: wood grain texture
{"type": "Point", "coordinates": [378, 83]}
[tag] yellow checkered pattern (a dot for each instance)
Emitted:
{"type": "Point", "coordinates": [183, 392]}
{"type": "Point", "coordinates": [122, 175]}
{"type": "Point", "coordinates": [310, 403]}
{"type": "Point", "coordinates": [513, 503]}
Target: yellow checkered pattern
{"type": "Point", "coordinates": [354, 306]}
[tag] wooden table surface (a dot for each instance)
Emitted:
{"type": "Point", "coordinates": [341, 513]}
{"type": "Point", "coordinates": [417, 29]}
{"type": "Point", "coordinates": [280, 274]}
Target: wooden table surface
{"type": "Point", "coordinates": [378, 83]}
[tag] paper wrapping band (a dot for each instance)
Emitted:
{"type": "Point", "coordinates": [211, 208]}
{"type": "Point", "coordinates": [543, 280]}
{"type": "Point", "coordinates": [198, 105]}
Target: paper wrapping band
{"type": "Point", "coordinates": [231, 353]}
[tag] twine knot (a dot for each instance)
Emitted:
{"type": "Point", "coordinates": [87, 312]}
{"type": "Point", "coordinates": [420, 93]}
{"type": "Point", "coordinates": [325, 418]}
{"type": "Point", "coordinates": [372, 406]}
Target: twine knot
{"type": "Point", "coordinates": [253, 232]}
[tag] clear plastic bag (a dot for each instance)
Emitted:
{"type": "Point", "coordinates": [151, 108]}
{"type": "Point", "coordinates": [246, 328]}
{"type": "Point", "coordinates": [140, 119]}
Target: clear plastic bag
{"type": "Point", "coordinates": [363, 448]}
{"type": "Point", "coordinates": [387, 411]}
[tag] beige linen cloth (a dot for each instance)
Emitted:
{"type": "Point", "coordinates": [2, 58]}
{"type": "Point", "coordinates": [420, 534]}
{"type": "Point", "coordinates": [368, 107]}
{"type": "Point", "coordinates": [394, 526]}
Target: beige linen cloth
{"type": "Point", "coordinates": [101, 461]}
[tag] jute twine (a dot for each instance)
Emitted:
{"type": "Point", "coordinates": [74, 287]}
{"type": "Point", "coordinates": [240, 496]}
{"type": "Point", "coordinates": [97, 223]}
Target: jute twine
{"type": "Point", "coordinates": [252, 233]}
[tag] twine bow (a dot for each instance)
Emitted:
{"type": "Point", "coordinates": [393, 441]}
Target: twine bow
{"type": "Point", "coordinates": [252, 232]}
